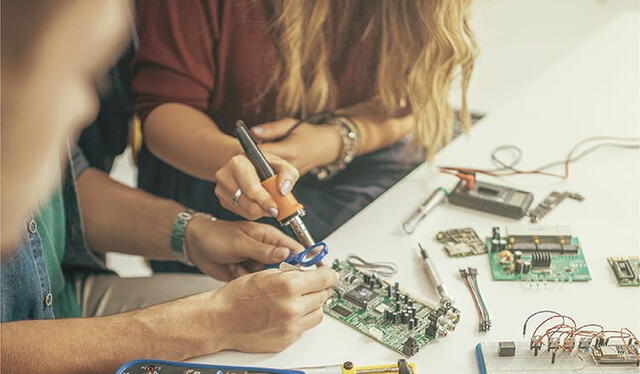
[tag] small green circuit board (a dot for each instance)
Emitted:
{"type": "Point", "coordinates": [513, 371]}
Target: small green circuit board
{"type": "Point", "coordinates": [562, 267]}
{"type": "Point", "coordinates": [626, 270]}
{"type": "Point", "coordinates": [385, 313]}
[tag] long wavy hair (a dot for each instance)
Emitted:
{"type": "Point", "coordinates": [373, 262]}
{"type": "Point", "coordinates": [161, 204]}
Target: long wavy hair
{"type": "Point", "coordinates": [423, 45]}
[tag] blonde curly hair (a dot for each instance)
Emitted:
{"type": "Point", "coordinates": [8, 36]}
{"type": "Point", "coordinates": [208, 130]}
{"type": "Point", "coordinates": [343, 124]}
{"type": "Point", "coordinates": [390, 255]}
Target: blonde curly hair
{"type": "Point", "coordinates": [423, 45]}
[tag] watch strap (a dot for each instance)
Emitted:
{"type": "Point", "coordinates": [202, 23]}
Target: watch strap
{"type": "Point", "coordinates": [178, 242]}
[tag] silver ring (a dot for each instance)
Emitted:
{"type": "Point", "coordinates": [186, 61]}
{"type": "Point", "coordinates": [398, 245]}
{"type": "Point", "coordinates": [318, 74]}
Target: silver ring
{"type": "Point", "coordinates": [236, 197]}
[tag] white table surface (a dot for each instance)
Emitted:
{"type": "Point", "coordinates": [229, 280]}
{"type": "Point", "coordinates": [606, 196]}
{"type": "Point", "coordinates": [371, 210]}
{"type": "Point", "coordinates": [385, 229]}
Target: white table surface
{"type": "Point", "coordinates": [593, 91]}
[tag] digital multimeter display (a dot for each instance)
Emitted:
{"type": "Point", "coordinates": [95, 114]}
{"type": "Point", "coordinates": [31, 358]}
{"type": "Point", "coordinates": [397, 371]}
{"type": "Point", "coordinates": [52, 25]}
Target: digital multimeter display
{"type": "Point", "coordinates": [517, 198]}
{"type": "Point", "coordinates": [492, 198]}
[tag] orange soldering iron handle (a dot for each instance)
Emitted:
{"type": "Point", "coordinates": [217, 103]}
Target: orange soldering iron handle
{"type": "Point", "coordinates": [287, 205]}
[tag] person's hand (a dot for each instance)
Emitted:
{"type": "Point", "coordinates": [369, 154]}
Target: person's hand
{"type": "Point", "coordinates": [226, 250]}
{"type": "Point", "coordinates": [259, 312]}
{"type": "Point", "coordinates": [307, 147]}
{"type": "Point", "coordinates": [269, 310]}
{"type": "Point", "coordinates": [254, 202]}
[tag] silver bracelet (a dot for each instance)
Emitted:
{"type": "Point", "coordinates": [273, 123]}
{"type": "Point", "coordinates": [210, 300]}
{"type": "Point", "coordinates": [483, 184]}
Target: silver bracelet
{"type": "Point", "coordinates": [350, 137]}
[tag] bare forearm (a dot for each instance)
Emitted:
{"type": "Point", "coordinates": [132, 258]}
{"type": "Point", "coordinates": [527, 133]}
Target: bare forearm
{"type": "Point", "coordinates": [122, 219]}
{"type": "Point", "coordinates": [101, 345]}
{"type": "Point", "coordinates": [377, 133]}
{"type": "Point", "coordinates": [188, 140]}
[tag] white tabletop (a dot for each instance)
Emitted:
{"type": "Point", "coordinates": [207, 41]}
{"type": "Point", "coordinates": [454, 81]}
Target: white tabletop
{"type": "Point", "coordinates": [593, 91]}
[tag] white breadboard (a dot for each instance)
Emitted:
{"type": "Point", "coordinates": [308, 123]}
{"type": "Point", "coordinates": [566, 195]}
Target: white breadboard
{"type": "Point", "coordinates": [525, 362]}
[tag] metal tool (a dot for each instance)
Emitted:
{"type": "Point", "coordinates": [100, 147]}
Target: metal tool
{"type": "Point", "coordinates": [434, 277]}
{"type": "Point", "coordinates": [170, 367]}
{"type": "Point", "coordinates": [290, 210]}
{"type": "Point", "coordinates": [549, 203]}
{"type": "Point", "coordinates": [436, 197]}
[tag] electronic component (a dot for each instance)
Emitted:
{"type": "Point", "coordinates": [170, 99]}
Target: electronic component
{"type": "Point", "coordinates": [491, 198]}
{"type": "Point", "coordinates": [617, 354]}
{"type": "Point", "coordinates": [461, 242]}
{"type": "Point", "coordinates": [550, 202]}
{"type": "Point", "coordinates": [523, 361]}
{"type": "Point", "coordinates": [386, 313]}
{"type": "Point", "coordinates": [171, 367]}
{"type": "Point", "coordinates": [361, 295]}
{"type": "Point", "coordinates": [342, 310]}
{"type": "Point", "coordinates": [470, 279]}
{"type": "Point", "coordinates": [626, 270]}
{"type": "Point", "coordinates": [506, 349]}
{"type": "Point", "coordinates": [540, 260]}
{"type": "Point", "coordinates": [536, 254]}
{"type": "Point", "coordinates": [410, 347]}
{"type": "Point", "coordinates": [600, 349]}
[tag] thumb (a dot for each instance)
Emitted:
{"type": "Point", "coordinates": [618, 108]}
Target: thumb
{"type": "Point", "coordinates": [271, 131]}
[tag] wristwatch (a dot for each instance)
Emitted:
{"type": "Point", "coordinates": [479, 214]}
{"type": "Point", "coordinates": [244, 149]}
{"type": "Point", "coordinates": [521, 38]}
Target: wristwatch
{"type": "Point", "coordinates": [178, 242]}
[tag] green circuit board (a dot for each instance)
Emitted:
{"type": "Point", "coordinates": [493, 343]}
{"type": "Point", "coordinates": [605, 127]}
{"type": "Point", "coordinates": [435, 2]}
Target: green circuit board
{"type": "Point", "coordinates": [626, 270]}
{"type": "Point", "coordinates": [385, 313]}
{"type": "Point", "coordinates": [563, 267]}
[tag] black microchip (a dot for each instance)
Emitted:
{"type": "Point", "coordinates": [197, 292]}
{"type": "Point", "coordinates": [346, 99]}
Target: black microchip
{"type": "Point", "coordinates": [361, 295]}
{"type": "Point", "coordinates": [341, 311]}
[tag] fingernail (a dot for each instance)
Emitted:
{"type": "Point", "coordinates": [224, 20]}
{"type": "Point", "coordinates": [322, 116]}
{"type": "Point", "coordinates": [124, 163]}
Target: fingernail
{"type": "Point", "coordinates": [282, 253]}
{"type": "Point", "coordinates": [257, 129]}
{"type": "Point", "coordinates": [274, 212]}
{"type": "Point", "coordinates": [285, 187]}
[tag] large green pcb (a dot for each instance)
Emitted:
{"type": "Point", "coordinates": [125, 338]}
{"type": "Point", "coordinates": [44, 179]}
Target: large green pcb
{"type": "Point", "coordinates": [388, 315]}
{"type": "Point", "coordinates": [563, 267]}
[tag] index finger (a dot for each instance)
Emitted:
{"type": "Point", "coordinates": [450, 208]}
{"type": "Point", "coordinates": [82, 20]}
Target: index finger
{"type": "Point", "coordinates": [247, 178]}
{"type": "Point", "coordinates": [310, 281]}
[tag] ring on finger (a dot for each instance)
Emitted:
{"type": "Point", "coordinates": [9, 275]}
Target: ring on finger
{"type": "Point", "coordinates": [236, 197]}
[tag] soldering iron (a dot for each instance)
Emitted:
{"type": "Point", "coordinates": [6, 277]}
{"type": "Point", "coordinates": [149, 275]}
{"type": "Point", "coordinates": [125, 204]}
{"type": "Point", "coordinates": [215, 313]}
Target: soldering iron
{"type": "Point", "coordinates": [290, 210]}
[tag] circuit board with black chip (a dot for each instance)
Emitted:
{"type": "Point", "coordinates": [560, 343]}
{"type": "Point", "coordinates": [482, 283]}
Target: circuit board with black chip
{"type": "Point", "coordinates": [385, 313]}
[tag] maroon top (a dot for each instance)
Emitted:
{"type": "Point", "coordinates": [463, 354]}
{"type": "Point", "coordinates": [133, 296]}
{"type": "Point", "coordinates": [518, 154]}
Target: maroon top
{"type": "Point", "coordinates": [216, 56]}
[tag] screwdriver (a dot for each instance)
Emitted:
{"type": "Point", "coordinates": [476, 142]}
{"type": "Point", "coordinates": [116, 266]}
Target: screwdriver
{"type": "Point", "coordinates": [433, 275]}
{"type": "Point", "coordinates": [290, 210]}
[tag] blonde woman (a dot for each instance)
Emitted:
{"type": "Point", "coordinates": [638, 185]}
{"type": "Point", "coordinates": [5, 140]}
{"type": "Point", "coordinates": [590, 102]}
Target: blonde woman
{"type": "Point", "coordinates": [332, 89]}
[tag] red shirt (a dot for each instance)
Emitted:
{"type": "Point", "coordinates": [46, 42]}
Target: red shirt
{"type": "Point", "coordinates": [216, 56]}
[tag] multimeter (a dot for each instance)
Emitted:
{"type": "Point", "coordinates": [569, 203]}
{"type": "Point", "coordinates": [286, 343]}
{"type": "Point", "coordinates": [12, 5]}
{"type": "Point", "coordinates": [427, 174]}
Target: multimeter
{"type": "Point", "coordinates": [492, 198]}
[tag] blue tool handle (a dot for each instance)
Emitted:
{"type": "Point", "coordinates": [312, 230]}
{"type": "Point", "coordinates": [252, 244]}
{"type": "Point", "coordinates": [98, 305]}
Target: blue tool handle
{"type": "Point", "coordinates": [300, 258]}
{"type": "Point", "coordinates": [172, 367]}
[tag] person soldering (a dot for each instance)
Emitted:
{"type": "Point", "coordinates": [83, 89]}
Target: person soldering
{"type": "Point", "coordinates": [333, 90]}
{"type": "Point", "coordinates": [53, 244]}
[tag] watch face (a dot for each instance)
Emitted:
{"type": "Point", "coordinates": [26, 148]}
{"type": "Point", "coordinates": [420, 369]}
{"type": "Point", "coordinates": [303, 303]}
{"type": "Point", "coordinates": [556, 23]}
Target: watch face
{"type": "Point", "coordinates": [184, 215]}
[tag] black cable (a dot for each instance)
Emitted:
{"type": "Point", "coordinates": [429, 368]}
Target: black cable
{"type": "Point", "coordinates": [312, 118]}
